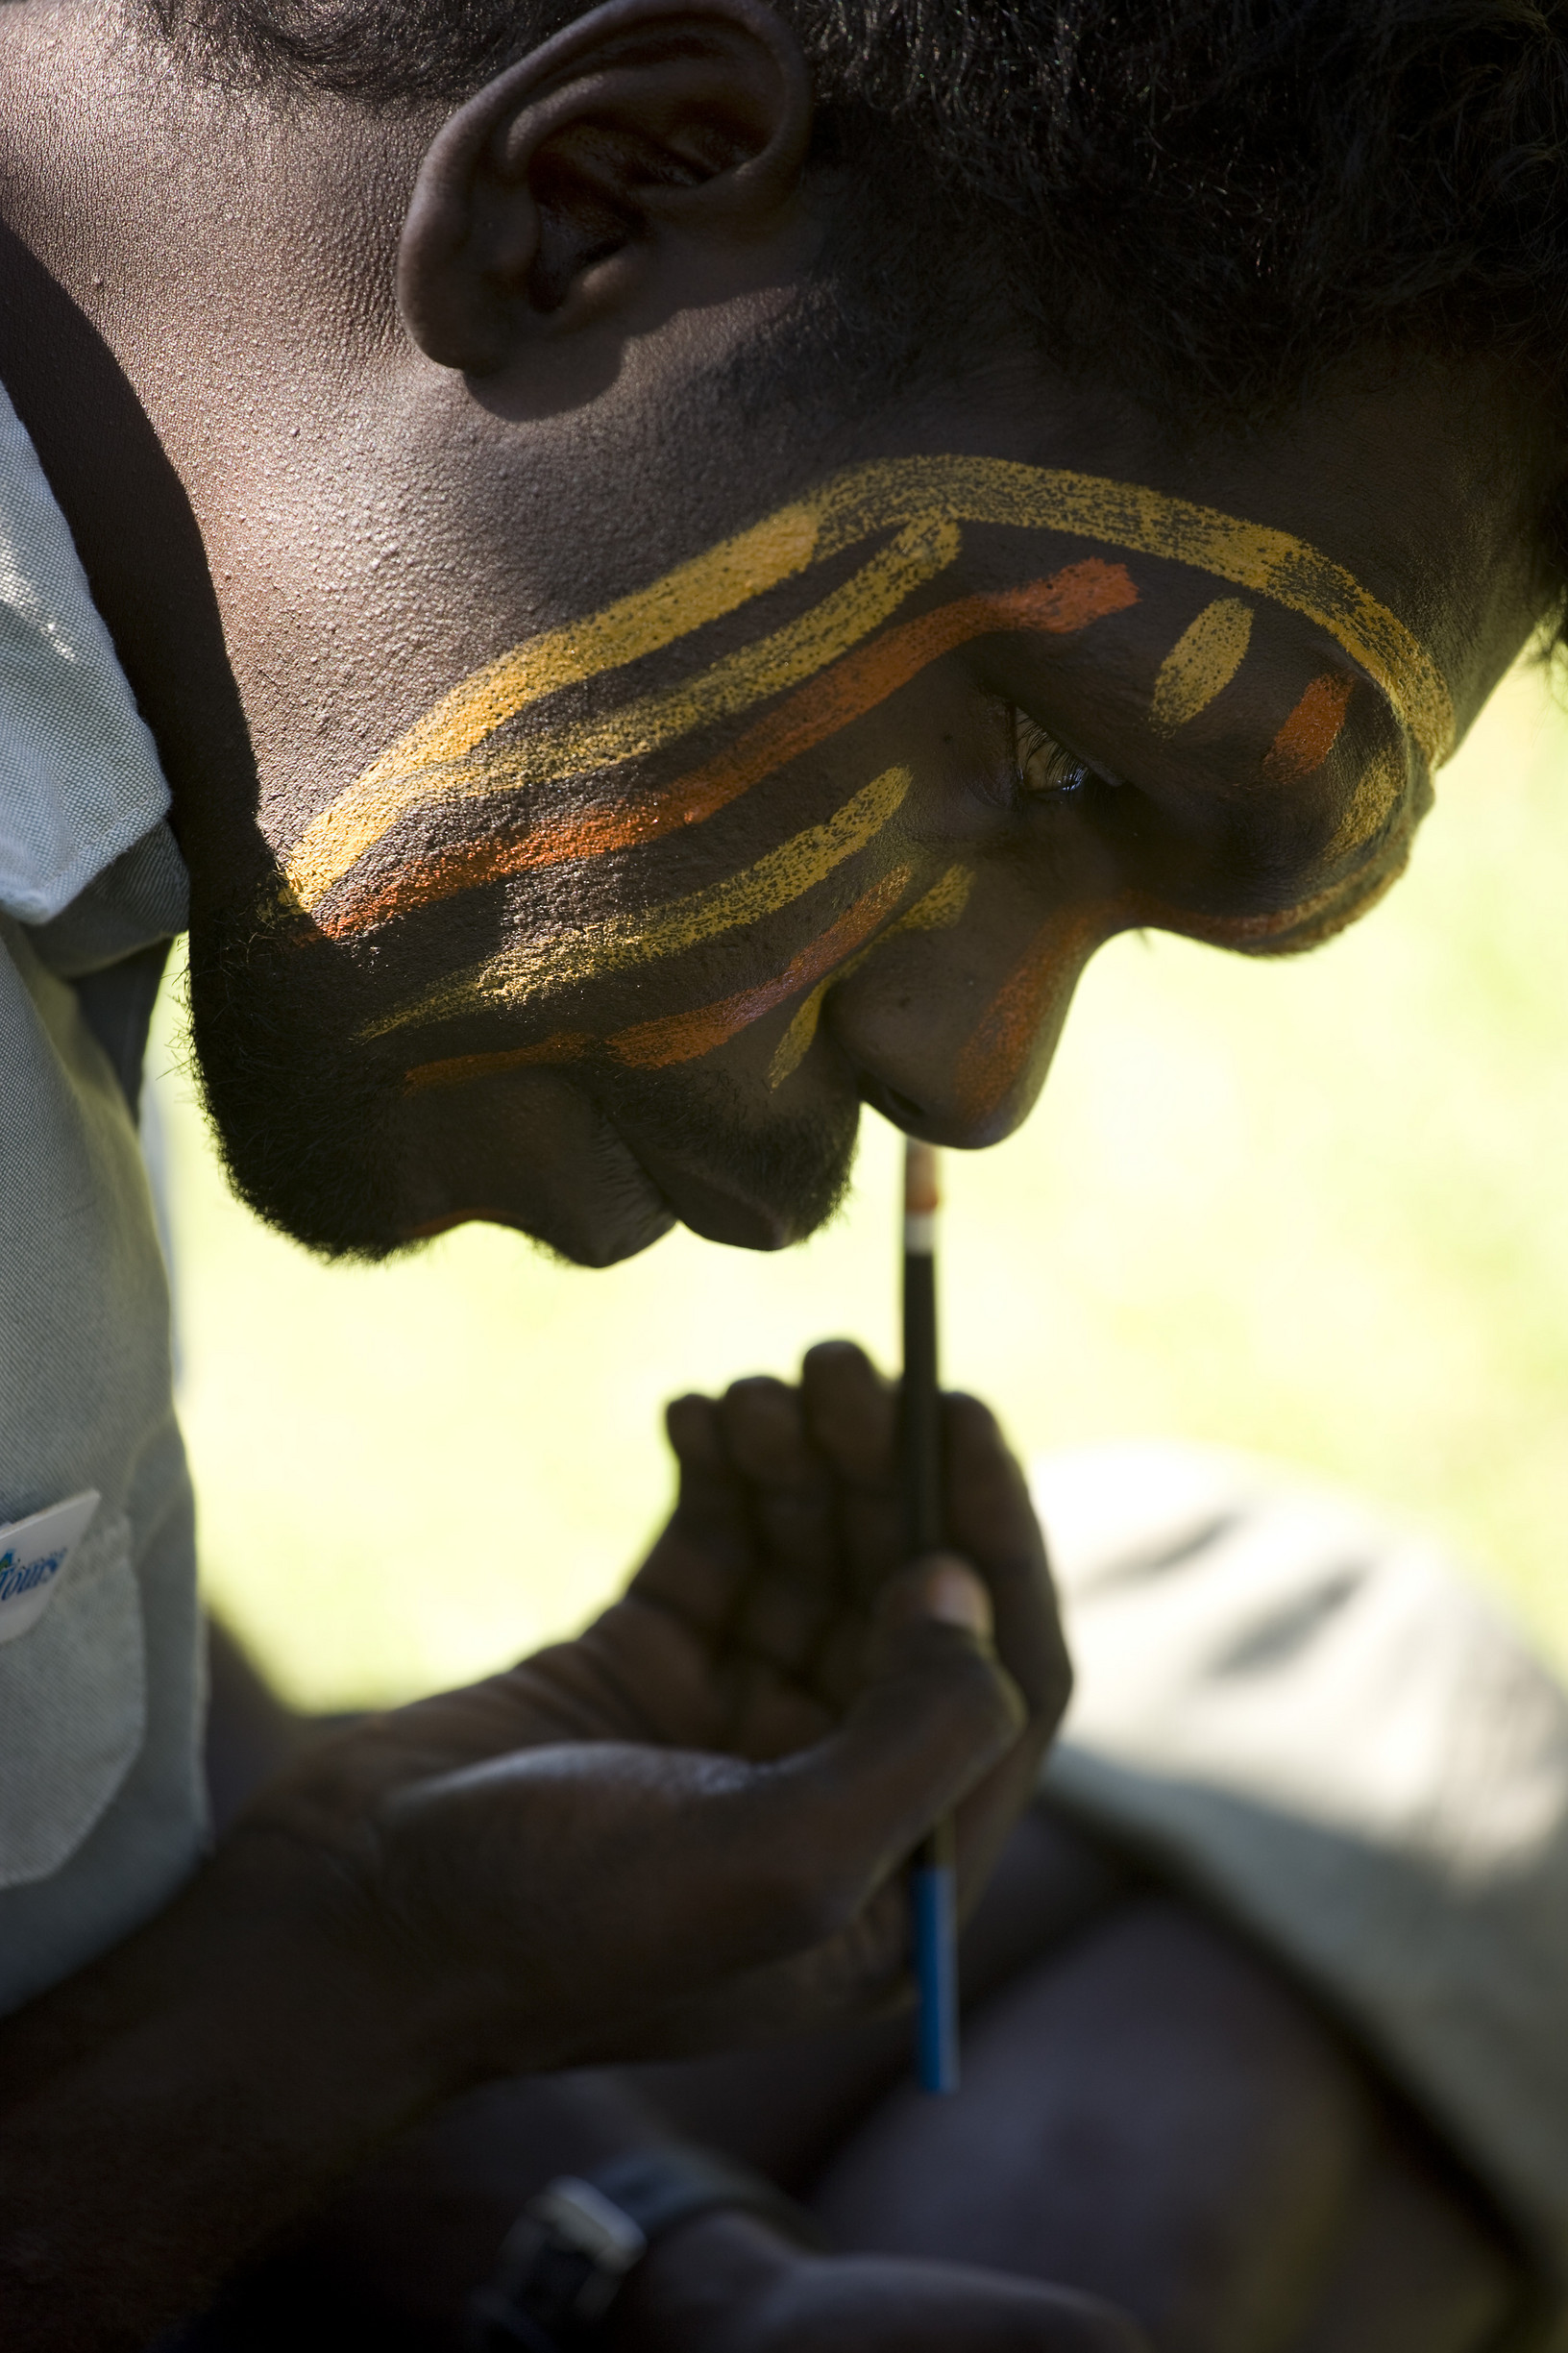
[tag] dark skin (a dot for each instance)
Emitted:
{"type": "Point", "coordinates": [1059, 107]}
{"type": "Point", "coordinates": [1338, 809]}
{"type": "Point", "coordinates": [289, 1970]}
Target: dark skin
{"type": "Point", "coordinates": [341, 407]}
{"type": "Point", "coordinates": [723, 1777]}
{"type": "Point", "coordinates": [1151, 2113]}
{"type": "Point", "coordinates": [578, 252]}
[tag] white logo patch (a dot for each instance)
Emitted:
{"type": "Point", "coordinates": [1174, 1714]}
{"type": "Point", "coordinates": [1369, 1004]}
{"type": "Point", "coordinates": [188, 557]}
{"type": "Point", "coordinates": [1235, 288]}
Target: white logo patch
{"type": "Point", "coordinates": [33, 1552]}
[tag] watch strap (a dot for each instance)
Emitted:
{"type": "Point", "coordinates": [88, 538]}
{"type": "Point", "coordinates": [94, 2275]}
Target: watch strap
{"type": "Point", "coordinates": [566, 2258]}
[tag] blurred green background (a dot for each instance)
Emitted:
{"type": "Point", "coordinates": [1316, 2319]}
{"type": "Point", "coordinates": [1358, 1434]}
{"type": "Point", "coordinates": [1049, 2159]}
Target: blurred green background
{"type": "Point", "coordinates": [1317, 1208]}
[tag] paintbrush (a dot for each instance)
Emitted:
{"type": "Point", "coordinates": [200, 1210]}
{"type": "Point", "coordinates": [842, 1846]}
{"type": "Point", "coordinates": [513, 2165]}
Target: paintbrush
{"type": "Point", "coordinates": [919, 1463]}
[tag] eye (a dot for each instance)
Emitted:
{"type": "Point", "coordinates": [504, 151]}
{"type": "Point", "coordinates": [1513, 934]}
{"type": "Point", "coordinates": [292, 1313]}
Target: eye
{"type": "Point", "coordinates": [1044, 770]}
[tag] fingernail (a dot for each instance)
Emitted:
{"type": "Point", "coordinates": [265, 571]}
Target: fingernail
{"type": "Point", "coordinates": [956, 1596]}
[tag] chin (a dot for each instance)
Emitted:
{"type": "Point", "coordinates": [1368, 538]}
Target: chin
{"type": "Point", "coordinates": [324, 1144]}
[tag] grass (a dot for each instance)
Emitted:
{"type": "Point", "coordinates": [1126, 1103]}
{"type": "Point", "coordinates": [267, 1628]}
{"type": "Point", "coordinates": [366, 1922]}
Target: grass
{"type": "Point", "coordinates": [1318, 1208]}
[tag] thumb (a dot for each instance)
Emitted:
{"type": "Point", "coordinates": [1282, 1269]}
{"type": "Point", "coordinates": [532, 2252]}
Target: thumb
{"type": "Point", "coordinates": [937, 1712]}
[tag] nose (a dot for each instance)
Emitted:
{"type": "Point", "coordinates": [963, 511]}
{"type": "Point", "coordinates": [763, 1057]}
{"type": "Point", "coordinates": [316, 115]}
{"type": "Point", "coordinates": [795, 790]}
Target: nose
{"type": "Point", "coordinates": [951, 1035]}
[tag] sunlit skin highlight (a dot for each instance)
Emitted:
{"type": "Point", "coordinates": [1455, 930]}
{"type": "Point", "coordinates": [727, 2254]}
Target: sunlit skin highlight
{"type": "Point", "coordinates": [898, 494]}
{"type": "Point", "coordinates": [1067, 601]}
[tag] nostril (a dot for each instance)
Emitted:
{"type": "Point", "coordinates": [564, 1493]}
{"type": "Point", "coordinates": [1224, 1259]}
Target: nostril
{"type": "Point", "coordinates": [904, 1108]}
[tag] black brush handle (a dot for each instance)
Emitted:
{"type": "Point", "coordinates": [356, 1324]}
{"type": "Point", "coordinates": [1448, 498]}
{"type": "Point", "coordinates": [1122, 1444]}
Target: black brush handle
{"type": "Point", "coordinates": [920, 1411]}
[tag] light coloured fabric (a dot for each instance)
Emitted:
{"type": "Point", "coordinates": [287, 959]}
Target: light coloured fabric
{"type": "Point", "coordinates": [102, 1806]}
{"type": "Point", "coordinates": [1307, 1712]}
{"type": "Point", "coordinates": [73, 1699]}
{"type": "Point", "coordinates": [80, 780]}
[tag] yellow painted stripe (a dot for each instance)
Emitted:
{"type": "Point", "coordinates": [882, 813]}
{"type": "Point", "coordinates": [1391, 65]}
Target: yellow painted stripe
{"type": "Point", "coordinates": [1250, 556]}
{"type": "Point", "coordinates": [716, 582]}
{"type": "Point", "coordinates": [943, 905]}
{"type": "Point", "coordinates": [359, 817]}
{"type": "Point", "coordinates": [891, 493]}
{"type": "Point", "coordinates": [518, 977]}
{"type": "Point", "coordinates": [1202, 662]}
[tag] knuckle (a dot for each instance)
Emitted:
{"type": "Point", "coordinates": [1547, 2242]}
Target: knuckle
{"type": "Point", "coordinates": [808, 1893]}
{"type": "Point", "coordinates": [988, 1703]}
{"type": "Point", "coordinates": [809, 1905]}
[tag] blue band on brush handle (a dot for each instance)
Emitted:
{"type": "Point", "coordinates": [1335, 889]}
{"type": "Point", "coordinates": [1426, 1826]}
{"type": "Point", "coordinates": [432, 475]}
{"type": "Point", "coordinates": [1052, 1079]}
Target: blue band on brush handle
{"type": "Point", "coordinates": [936, 1976]}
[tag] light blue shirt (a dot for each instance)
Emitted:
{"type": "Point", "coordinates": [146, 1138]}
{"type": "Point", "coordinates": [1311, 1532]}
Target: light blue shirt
{"type": "Point", "coordinates": [102, 1804]}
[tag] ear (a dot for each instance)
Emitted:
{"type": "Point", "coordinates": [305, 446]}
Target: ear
{"type": "Point", "coordinates": [648, 157]}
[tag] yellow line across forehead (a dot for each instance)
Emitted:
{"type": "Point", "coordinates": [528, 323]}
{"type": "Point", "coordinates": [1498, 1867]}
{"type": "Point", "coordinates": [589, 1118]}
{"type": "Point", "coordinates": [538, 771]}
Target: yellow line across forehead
{"type": "Point", "coordinates": [786, 658]}
{"type": "Point", "coordinates": [889, 494]}
{"type": "Point", "coordinates": [520, 975]}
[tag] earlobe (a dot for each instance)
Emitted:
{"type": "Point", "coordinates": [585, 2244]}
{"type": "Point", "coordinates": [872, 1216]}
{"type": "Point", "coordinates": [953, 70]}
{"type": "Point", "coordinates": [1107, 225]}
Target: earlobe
{"type": "Point", "coordinates": [648, 139]}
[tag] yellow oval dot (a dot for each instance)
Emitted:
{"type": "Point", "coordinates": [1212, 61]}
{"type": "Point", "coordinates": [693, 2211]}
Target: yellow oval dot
{"type": "Point", "coordinates": [1204, 659]}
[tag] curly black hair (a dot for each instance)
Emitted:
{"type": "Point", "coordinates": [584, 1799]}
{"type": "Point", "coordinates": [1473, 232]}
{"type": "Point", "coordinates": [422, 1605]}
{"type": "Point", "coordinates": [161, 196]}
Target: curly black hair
{"type": "Point", "coordinates": [1208, 204]}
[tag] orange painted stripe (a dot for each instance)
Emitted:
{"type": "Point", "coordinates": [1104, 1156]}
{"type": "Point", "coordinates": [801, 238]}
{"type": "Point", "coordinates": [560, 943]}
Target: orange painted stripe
{"type": "Point", "coordinates": [1311, 733]}
{"type": "Point", "coordinates": [1058, 606]}
{"type": "Point", "coordinates": [997, 1053]}
{"type": "Point", "coordinates": [566, 1046]}
{"type": "Point", "coordinates": [683, 1037]}
{"type": "Point", "coordinates": [653, 1044]}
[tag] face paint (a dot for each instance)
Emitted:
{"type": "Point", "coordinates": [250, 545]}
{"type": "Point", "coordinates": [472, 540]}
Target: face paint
{"type": "Point", "coordinates": [1289, 931]}
{"type": "Point", "coordinates": [1203, 661]}
{"type": "Point", "coordinates": [1380, 789]}
{"type": "Point", "coordinates": [1058, 606]}
{"type": "Point", "coordinates": [942, 906]}
{"type": "Point", "coordinates": [998, 1051]}
{"type": "Point", "coordinates": [933, 494]}
{"type": "Point", "coordinates": [1311, 733]}
{"type": "Point", "coordinates": [341, 835]}
{"type": "Point", "coordinates": [1294, 930]}
{"type": "Point", "coordinates": [685, 1036]}
{"type": "Point", "coordinates": [519, 976]}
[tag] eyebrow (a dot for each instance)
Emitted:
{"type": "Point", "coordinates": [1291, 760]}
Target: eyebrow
{"type": "Point", "coordinates": [899, 494]}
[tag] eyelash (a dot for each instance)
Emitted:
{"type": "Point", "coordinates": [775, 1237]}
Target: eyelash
{"type": "Point", "coordinates": [1044, 770]}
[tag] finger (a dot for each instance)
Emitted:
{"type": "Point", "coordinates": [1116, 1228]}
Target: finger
{"type": "Point", "coordinates": [758, 1630]}
{"type": "Point", "coordinates": [936, 1714]}
{"type": "Point", "coordinates": [796, 1591]}
{"type": "Point", "coordinates": [710, 1497]}
{"type": "Point", "coordinates": [700, 1561]}
{"type": "Point", "coordinates": [851, 1413]}
{"type": "Point", "coordinates": [761, 1421]}
{"type": "Point", "coordinates": [993, 1518]}
{"type": "Point", "coordinates": [702, 1865]}
{"type": "Point", "coordinates": [992, 1522]}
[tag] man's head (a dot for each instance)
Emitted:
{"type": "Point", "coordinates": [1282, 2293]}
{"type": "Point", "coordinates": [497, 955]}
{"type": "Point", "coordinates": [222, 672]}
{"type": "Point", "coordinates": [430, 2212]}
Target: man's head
{"type": "Point", "coordinates": [852, 516]}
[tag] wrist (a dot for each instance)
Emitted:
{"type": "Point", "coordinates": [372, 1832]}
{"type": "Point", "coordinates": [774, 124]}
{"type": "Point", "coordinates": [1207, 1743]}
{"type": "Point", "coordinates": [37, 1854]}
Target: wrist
{"type": "Point", "coordinates": [173, 2106]}
{"type": "Point", "coordinates": [340, 2021]}
{"type": "Point", "coordinates": [692, 2293]}
{"type": "Point", "coordinates": [661, 2246]}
